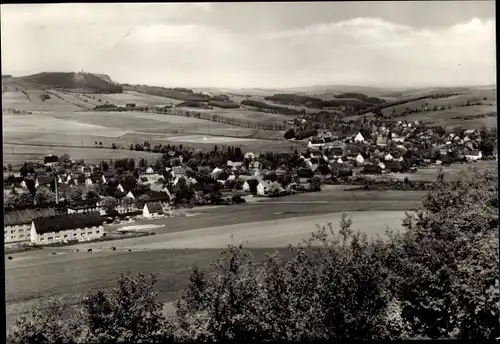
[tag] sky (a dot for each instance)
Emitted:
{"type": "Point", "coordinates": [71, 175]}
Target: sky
{"type": "Point", "coordinates": [264, 45]}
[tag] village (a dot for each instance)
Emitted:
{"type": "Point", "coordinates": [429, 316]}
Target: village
{"type": "Point", "coordinates": [61, 200]}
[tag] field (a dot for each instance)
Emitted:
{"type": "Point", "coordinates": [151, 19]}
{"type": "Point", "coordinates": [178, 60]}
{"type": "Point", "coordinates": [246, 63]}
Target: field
{"type": "Point", "coordinates": [183, 241]}
{"type": "Point", "coordinates": [445, 117]}
{"type": "Point", "coordinates": [29, 100]}
{"type": "Point", "coordinates": [454, 101]}
{"type": "Point", "coordinates": [16, 155]}
{"type": "Point", "coordinates": [246, 114]}
{"type": "Point", "coordinates": [140, 99]}
{"type": "Point", "coordinates": [84, 128]}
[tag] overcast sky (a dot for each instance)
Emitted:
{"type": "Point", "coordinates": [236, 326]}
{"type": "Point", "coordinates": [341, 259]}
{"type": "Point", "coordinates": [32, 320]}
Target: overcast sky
{"type": "Point", "coordinates": [257, 44]}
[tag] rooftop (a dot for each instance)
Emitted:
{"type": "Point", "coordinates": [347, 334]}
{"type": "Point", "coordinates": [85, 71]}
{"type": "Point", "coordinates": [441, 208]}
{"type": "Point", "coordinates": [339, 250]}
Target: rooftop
{"type": "Point", "coordinates": [19, 217]}
{"type": "Point", "coordinates": [64, 222]}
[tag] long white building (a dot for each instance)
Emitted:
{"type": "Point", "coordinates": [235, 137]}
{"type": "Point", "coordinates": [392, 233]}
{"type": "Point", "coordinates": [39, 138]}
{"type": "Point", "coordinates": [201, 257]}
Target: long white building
{"type": "Point", "coordinates": [66, 227]}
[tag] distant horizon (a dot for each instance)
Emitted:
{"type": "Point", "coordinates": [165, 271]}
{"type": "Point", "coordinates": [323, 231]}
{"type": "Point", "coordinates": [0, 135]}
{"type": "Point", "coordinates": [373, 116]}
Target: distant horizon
{"type": "Point", "coordinates": [396, 87]}
{"type": "Point", "coordinates": [397, 44]}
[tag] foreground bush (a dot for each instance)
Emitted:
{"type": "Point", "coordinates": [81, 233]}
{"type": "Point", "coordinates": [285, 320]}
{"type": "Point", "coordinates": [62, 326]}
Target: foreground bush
{"type": "Point", "coordinates": [437, 279]}
{"type": "Point", "coordinates": [128, 313]}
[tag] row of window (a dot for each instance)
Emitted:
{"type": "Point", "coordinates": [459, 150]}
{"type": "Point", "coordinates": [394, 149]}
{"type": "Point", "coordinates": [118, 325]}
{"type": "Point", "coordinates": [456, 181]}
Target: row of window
{"type": "Point", "coordinates": [14, 230]}
{"type": "Point", "coordinates": [20, 236]}
{"type": "Point", "coordinates": [65, 236]}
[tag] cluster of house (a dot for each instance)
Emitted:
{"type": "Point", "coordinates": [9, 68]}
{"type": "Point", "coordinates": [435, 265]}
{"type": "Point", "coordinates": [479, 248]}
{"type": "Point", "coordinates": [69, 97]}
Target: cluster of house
{"type": "Point", "coordinates": [385, 149]}
{"type": "Point", "coordinates": [83, 219]}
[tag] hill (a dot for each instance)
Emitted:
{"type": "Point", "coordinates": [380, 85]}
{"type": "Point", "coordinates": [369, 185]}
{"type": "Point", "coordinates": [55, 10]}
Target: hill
{"type": "Point", "coordinates": [69, 82]}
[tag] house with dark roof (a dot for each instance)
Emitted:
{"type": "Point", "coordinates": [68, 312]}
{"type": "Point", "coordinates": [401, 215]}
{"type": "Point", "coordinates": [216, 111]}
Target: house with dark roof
{"type": "Point", "coordinates": [28, 183]}
{"type": "Point", "coordinates": [106, 175]}
{"type": "Point", "coordinates": [83, 206]}
{"type": "Point", "coordinates": [17, 223]}
{"type": "Point", "coordinates": [373, 169]}
{"type": "Point", "coordinates": [44, 180]}
{"type": "Point", "coordinates": [87, 170]}
{"type": "Point", "coordinates": [157, 196]}
{"type": "Point", "coordinates": [51, 160]}
{"type": "Point", "coordinates": [152, 209]}
{"type": "Point", "coordinates": [66, 227]}
{"type": "Point", "coordinates": [393, 166]}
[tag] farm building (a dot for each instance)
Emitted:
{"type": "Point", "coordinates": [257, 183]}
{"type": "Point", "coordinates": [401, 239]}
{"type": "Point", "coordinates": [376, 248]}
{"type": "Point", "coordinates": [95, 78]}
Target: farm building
{"type": "Point", "coordinates": [152, 209]}
{"type": "Point", "coordinates": [51, 160]}
{"type": "Point", "coordinates": [17, 224]}
{"type": "Point", "coordinates": [67, 227]}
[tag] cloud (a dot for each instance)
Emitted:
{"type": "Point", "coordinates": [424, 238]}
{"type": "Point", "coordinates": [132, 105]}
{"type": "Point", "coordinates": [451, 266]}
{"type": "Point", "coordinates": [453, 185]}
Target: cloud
{"type": "Point", "coordinates": [169, 44]}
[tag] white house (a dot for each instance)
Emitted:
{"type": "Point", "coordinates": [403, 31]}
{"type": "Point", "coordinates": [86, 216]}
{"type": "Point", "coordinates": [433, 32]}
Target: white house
{"type": "Point", "coordinates": [17, 223]}
{"type": "Point", "coordinates": [246, 187]}
{"type": "Point", "coordinates": [216, 171]}
{"type": "Point", "coordinates": [254, 168]}
{"type": "Point", "coordinates": [66, 227]}
{"type": "Point", "coordinates": [473, 155]}
{"type": "Point", "coordinates": [152, 209]}
{"type": "Point", "coordinates": [339, 161]}
{"type": "Point", "coordinates": [149, 178]}
{"type": "Point", "coordinates": [262, 186]}
{"type": "Point", "coordinates": [359, 138]}
{"type": "Point", "coordinates": [83, 206]}
{"type": "Point", "coordinates": [150, 170]}
{"type": "Point", "coordinates": [381, 141]}
{"type": "Point", "coordinates": [265, 186]}
{"type": "Point", "coordinates": [389, 157]}
{"type": "Point", "coordinates": [360, 159]}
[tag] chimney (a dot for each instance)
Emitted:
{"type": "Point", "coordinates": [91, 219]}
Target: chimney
{"type": "Point", "coordinates": [57, 189]}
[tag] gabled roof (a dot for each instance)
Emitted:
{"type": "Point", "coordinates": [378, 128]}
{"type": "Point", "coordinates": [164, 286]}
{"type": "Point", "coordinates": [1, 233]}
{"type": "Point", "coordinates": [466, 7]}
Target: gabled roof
{"type": "Point", "coordinates": [42, 180]}
{"type": "Point", "coordinates": [95, 179]}
{"type": "Point", "coordinates": [20, 217]}
{"type": "Point", "coordinates": [372, 168]}
{"type": "Point", "coordinates": [359, 137]}
{"type": "Point", "coordinates": [50, 159]}
{"type": "Point", "coordinates": [66, 222]}
{"type": "Point", "coordinates": [109, 174]}
{"type": "Point", "coordinates": [154, 207]}
{"type": "Point", "coordinates": [84, 203]}
{"type": "Point", "coordinates": [392, 165]}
